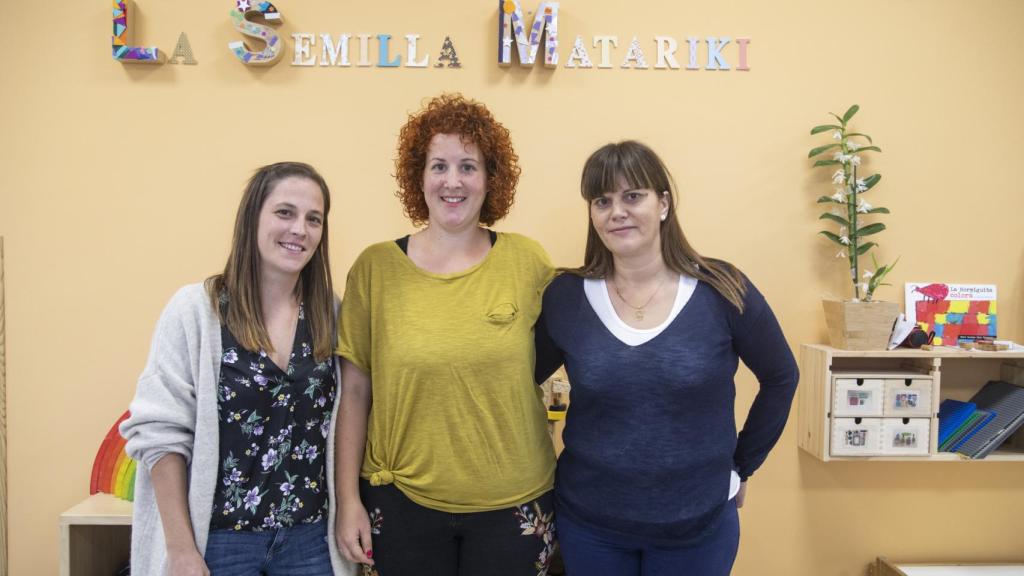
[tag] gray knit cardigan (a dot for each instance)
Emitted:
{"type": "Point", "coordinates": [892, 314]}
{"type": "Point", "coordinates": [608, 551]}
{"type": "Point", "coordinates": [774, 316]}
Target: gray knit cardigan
{"type": "Point", "coordinates": [175, 411]}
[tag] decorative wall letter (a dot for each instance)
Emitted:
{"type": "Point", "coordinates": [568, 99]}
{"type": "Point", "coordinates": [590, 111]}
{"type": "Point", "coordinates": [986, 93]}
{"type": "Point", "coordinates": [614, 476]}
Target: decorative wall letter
{"type": "Point", "coordinates": [634, 54]}
{"type": "Point", "coordinates": [364, 50]}
{"type": "Point", "coordinates": [715, 60]}
{"type": "Point", "coordinates": [383, 53]}
{"type": "Point", "coordinates": [667, 47]}
{"type": "Point", "coordinates": [121, 38]}
{"type": "Point", "coordinates": [303, 43]}
{"type": "Point", "coordinates": [183, 49]}
{"type": "Point", "coordinates": [579, 52]}
{"type": "Point", "coordinates": [606, 61]}
{"type": "Point", "coordinates": [742, 43]}
{"type": "Point", "coordinates": [331, 51]}
{"type": "Point", "coordinates": [448, 54]}
{"type": "Point", "coordinates": [410, 52]}
{"type": "Point", "coordinates": [273, 50]}
{"type": "Point", "coordinates": [510, 24]}
{"type": "Point", "coordinates": [693, 41]}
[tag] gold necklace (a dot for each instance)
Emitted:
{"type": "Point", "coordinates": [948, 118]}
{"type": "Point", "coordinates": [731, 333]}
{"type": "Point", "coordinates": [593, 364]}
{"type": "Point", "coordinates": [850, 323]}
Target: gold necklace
{"type": "Point", "coordinates": [638, 311]}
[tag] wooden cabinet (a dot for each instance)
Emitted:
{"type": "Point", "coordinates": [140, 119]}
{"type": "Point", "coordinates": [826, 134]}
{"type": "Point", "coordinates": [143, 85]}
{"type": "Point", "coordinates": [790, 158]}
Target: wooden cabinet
{"type": "Point", "coordinates": [949, 373]}
{"type": "Point", "coordinates": [95, 536]}
{"type": "Point", "coordinates": [886, 567]}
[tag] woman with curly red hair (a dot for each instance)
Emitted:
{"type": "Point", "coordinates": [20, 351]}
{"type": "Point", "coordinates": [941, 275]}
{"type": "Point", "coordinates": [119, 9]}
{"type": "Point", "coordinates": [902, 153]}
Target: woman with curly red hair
{"type": "Point", "coordinates": [444, 463]}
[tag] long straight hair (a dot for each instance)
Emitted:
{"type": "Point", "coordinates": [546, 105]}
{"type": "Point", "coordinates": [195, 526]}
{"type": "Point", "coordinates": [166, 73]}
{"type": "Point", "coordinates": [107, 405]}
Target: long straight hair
{"type": "Point", "coordinates": [641, 168]}
{"type": "Point", "coordinates": [240, 281]}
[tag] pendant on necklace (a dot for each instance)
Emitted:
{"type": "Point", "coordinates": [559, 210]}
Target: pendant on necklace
{"type": "Point", "coordinates": [639, 314]}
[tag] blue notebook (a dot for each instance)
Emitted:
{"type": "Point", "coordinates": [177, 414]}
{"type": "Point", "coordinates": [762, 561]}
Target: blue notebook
{"type": "Point", "coordinates": [974, 424]}
{"type": "Point", "coordinates": [1007, 401]}
{"type": "Point", "coordinates": [953, 413]}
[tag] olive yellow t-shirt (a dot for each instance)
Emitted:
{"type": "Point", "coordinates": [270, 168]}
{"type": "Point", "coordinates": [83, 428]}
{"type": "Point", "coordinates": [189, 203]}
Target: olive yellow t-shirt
{"type": "Point", "coordinates": [457, 422]}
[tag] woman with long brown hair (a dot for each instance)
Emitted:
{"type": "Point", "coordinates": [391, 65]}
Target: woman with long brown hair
{"type": "Point", "coordinates": [651, 333]}
{"type": "Point", "coordinates": [232, 418]}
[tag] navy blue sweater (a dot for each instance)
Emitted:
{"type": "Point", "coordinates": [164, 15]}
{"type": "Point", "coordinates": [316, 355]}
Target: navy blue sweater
{"type": "Point", "coordinates": [650, 436]}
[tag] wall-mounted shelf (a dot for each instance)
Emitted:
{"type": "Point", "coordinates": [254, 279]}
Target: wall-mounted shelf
{"type": "Point", "coordinates": [953, 373]}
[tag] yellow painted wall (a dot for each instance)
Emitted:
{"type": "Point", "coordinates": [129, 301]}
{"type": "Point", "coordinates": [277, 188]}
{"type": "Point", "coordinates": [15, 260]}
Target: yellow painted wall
{"type": "Point", "coordinates": [118, 184]}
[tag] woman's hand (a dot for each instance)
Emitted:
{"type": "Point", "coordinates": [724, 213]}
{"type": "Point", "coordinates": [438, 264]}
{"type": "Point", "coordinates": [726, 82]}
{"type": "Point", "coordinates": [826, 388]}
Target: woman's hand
{"type": "Point", "coordinates": [186, 563]}
{"type": "Point", "coordinates": [352, 531]}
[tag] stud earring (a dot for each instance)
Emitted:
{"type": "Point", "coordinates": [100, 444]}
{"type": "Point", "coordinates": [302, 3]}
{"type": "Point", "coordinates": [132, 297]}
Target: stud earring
{"type": "Point", "coordinates": [663, 216]}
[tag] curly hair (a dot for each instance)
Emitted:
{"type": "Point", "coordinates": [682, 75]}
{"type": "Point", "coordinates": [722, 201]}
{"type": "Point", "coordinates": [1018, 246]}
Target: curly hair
{"type": "Point", "coordinates": [473, 122]}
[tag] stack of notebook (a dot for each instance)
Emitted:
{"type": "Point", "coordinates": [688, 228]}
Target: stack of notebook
{"type": "Point", "coordinates": [977, 427]}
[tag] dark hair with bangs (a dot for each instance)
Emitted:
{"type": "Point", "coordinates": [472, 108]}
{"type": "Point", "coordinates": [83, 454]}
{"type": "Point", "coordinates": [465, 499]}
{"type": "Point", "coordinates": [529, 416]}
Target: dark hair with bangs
{"type": "Point", "coordinates": [240, 281]}
{"type": "Point", "coordinates": [640, 167]}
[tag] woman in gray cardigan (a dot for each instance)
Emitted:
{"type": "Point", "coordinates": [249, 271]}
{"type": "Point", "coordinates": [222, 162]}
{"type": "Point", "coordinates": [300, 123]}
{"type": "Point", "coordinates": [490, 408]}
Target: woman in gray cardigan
{"type": "Point", "coordinates": [232, 422]}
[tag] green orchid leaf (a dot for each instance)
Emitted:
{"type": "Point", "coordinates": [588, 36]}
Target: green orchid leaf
{"type": "Point", "coordinates": [870, 229]}
{"type": "Point", "coordinates": [834, 218]}
{"type": "Point", "coordinates": [849, 113]}
{"type": "Point", "coordinates": [826, 128]}
{"type": "Point", "coordinates": [861, 135]}
{"type": "Point", "coordinates": [865, 247]}
{"type": "Point", "coordinates": [825, 199]}
{"type": "Point", "coordinates": [827, 163]}
{"type": "Point", "coordinates": [870, 181]}
{"type": "Point", "coordinates": [868, 149]}
{"type": "Point", "coordinates": [878, 210]}
{"type": "Point", "coordinates": [814, 152]}
{"type": "Point", "coordinates": [832, 236]}
{"type": "Point", "coordinates": [838, 118]}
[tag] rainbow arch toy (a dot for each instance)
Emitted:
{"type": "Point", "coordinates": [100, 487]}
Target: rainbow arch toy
{"type": "Point", "coordinates": [113, 472]}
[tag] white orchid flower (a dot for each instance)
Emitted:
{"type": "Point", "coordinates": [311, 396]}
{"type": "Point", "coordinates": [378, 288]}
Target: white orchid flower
{"type": "Point", "coordinates": [863, 207]}
{"type": "Point", "coordinates": [868, 273]}
{"type": "Point", "coordinates": [861, 186]}
{"type": "Point", "coordinates": [839, 196]}
{"type": "Point", "coordinates": [839, 177]}
{"type": "Point", "coordinates": [864, 286]}
{"type": "Point", "coordinates": [837, 135]}
{"type": "Point", "coordinates": [855, 160]}
{"type": "Point", "coordinates": [853, 146]}
{"type": "Point", "coordinates": [844, 240]}
{"type": "Point", "coordinates": [838, 157]}
{"type": "Point", "coordinates": [841, 254]}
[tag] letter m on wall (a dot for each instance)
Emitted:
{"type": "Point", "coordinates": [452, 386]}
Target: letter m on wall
{"type": "Point", "coordinates": [512, 30]}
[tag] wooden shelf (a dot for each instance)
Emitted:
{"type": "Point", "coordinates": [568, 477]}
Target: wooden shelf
{"type": "Point", "coordinates": [95, 536]}
{"type": "Point", "coordinates": [956, 374]}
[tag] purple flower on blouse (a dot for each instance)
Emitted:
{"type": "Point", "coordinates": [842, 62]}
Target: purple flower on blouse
{"type": "Point", "coordinates": [252, 498]}
{"type": "Point", "coordinates": [269, 458]}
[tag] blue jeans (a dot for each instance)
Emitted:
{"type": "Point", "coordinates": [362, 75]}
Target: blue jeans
{"type": "Point", "coordinates": [300, 550]}
{"type": "Point", "coordinates": [589, 553]}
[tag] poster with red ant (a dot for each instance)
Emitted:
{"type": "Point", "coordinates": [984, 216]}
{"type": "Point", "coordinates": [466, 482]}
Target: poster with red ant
{"type": "Point", "coordinates": [954, 312]}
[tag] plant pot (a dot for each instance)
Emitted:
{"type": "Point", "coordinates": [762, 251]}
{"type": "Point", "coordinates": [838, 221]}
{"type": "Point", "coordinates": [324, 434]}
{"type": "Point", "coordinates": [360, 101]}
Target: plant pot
{"type": "Point", "coordinates": [860, 325]}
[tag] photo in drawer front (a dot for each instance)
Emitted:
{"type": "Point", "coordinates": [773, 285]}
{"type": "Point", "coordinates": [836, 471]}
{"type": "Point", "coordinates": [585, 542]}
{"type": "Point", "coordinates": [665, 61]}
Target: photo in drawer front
{"type": "Point", "coordinates": [858, 396]}
{"type": "Point", "coordinates": [908, 397]}
{"type": "Point", "coordinates": [906, 436]}
{"type": "Point", "coordinates": [856, 437]}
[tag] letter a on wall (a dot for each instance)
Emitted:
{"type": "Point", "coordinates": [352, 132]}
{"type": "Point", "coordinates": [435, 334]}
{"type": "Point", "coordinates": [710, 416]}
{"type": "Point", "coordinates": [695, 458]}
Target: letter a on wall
{"type": "Point", "coordinates": [274, 47]}
{"type": "Point", "coordinates": [511, 29]}
{"type": "Point", "coordinates": [123, 51]}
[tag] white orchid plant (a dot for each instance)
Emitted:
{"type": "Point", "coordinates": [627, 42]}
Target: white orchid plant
{"type": "Point", "coordinates": [847, 207]}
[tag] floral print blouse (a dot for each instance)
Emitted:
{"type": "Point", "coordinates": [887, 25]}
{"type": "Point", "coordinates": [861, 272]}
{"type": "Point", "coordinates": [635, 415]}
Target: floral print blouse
{"type": "Point", "coordinates": [273, 433]}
